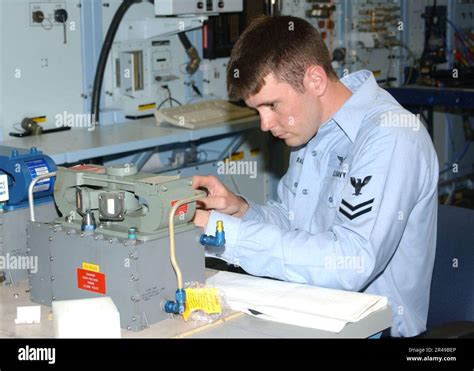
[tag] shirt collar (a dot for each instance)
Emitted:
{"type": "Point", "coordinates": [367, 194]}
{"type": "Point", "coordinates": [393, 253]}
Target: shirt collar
{"type": "Point", "coordinates": [364, 90]}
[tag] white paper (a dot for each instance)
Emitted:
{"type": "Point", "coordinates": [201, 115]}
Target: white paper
{"type": "Point", "coordinates": [28, 315]}
{"type": "Point", "coordinates": [295, 304]}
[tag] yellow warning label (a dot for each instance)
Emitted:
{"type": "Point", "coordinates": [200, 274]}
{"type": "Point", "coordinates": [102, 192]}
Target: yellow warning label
{"type": "Point", "coordinates": [90, 267]}
{"type": "Point", "coordinates": [205, 299]}
{"type": "Point", "coordinates": [145, 107]}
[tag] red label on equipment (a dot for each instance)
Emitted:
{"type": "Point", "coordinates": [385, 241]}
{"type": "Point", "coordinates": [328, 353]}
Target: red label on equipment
{"type": "Point", "coordinates": [91, 281]}
{"type": "Point", "coordinates": [89, 168]}
{"type": "Point", "coordinates": [183, 209]}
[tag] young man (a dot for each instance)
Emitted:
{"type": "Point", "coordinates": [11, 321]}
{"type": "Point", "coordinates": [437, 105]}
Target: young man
{"type": "Point", "coordinates": [357, 208]}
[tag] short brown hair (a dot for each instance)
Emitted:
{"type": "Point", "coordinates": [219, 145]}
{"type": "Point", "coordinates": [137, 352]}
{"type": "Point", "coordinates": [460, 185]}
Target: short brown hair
{"type": "Point", "coordinates": [284, 45]}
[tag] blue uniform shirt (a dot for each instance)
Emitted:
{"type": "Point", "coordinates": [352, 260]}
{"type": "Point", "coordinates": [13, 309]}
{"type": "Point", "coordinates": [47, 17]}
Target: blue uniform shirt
{"type": "Point", "coordinates": [356, 210]}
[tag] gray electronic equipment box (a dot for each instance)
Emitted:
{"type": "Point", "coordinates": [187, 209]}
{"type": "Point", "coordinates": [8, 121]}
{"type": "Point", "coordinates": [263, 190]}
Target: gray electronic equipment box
{"type": "Point", "coordinates": [112, 240]}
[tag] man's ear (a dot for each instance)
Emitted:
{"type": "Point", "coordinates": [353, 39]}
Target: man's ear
{"type": "Point", "coordinates": [316, 80]}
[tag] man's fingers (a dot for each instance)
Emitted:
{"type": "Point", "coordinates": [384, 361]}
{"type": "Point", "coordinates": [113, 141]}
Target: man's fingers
{"type": "Point", "coordinates": [205, 181]}
{"type": "Point", "coordinates": [213, 202]}
{"type": "Point", "coordinates": [198, 181]}
{"type": "Point", "coordinates": [201, 218]}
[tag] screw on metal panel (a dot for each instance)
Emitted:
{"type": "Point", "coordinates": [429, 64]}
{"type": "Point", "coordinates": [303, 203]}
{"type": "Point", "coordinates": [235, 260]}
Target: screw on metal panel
{"type": "Point", "coordinates": [53, 298]}
{"type": "Point", "coordinates": [164, 188]}
{"type": "Point", "coordinates": [129, 328]}
{"type": "Point", "coordinates": [51, 258]}
{"type": "Point", "coordinates": [111, 241]}
{"type": "Point", "coordinates": [16, 296]}
{"type": "Point", "coordinates": [96, 238]}
{"type": "Point", "coordinates": [82, 234]}
{"type": "Point", "coordinates": [134, 319]}
{"type": "Point", "coordinates": [55, 230]}
{"type": "Point", "coordinates": [52, 278]}
{"type": "Point", "coordinates": [50, 239]}
{"type": "Point", "coordinates": [132, 277]}
{"type": "Point", "coordinates": [68, 233]}
{"type": "Point", "coordinates": [132, 298]}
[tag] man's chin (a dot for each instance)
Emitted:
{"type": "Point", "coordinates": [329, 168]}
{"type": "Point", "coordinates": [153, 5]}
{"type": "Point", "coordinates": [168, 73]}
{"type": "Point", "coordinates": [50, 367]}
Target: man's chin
{"type": "Point", "coordinates": [293, 142]}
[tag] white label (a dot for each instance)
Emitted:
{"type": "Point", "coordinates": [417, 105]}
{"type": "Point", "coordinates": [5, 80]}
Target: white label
{"type": "Point", "coordinates": [111, 206]}
{"type": "Point", "coordinates": [42, 185]}
{"type": "Point", "coordinates": [4, 188]}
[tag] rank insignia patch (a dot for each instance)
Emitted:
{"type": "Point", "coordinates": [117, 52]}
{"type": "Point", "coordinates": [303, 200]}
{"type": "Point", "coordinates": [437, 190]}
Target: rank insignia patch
{"type": "Point", "coordinates": [354, 211]}
{"type": "Point", "coordinates": [358, 184]}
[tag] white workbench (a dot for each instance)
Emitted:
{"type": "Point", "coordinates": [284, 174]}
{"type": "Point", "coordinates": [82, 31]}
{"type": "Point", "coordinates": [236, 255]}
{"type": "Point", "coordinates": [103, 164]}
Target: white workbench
{"type": "Point", "coordinates": [235, 325]}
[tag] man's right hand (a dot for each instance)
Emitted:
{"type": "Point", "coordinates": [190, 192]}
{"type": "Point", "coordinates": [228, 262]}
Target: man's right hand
{"type": "Point", "coordinates": [219, 198]}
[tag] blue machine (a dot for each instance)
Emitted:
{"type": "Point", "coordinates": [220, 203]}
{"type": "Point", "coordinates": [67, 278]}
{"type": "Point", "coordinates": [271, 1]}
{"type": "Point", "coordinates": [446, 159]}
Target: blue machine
{"type": "Point", "coordinates": [22, 166]}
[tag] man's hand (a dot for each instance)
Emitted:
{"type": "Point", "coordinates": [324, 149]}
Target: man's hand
{"type": "Point", "coordinates": [201, 217]}
{"type": "Point", "coordinates": [219, 198]}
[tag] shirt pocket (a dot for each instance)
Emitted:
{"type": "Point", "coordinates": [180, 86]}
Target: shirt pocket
{"type": "Point", "coordinates": [331, 191]}
{"type": "Point", "coordinates": [338, 165]}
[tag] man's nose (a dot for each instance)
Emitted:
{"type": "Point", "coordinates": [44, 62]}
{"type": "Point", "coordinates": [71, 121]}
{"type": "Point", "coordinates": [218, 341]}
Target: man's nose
{"type": "Point", "coordinates": [266, 122]}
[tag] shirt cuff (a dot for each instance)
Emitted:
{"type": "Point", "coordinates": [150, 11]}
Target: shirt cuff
{"type": "Point", "coordinates": [231, 229]}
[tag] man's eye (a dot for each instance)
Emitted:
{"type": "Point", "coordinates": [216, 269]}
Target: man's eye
{"type": "Point", "coordinates": [273, 106]}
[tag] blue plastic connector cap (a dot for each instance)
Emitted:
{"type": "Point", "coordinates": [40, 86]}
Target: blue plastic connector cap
{"type": "Point", "coordinates": [217, 240]}
{"type": "Point", "coordinates": [178, 306]}
{"type": "Point", "coordinates": [170, 307]}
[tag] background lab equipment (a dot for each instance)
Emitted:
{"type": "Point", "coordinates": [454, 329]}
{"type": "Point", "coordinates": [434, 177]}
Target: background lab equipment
{"type": "Point", "coordinates": [18, 167]}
